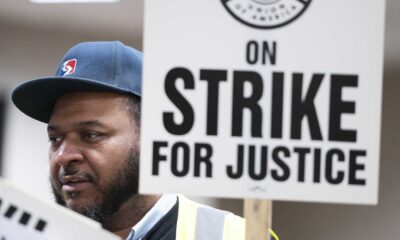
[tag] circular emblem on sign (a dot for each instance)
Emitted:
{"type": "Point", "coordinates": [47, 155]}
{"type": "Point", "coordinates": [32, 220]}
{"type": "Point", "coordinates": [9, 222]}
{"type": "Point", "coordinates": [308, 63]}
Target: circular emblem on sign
{"type": "Point", "coordinates": [266, 14]}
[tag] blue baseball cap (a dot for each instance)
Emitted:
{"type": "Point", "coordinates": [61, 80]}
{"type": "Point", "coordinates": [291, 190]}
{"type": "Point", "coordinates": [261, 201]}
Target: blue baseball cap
{"type": "Point", "coordinates": [86, 67]}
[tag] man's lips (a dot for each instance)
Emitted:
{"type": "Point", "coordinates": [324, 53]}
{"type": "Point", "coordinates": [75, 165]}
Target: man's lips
{"type": "Point", "coordinates": [74, 183]}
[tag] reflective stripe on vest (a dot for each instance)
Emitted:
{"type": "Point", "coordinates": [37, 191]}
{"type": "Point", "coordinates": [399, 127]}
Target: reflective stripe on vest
{"type": "Point", "coordinates": [200, 222]}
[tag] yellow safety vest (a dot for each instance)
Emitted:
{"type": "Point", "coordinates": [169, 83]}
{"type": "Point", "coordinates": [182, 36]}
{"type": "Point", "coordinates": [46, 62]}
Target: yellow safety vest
{"type": "Point", "coordinates": [201, 222]}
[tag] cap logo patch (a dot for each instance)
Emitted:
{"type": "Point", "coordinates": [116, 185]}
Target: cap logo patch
{"type": "Point", "coordinates": [68, 67]}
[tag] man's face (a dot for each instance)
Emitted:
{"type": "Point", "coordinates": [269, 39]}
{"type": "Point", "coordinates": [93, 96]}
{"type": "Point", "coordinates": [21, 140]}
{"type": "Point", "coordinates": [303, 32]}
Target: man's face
{"type": "Point", "coordinates": [93, 154]}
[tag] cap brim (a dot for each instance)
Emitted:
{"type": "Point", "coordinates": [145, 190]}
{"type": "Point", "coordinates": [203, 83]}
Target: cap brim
{"type": "Point", "coordinates": [36, 98]}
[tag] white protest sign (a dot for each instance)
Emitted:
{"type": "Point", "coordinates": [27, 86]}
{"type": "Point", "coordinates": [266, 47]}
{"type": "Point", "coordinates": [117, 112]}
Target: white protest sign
{"type": "Point", "coordinates": [23, 216]}
{"type": "Point", "coordinates": [277, 99]}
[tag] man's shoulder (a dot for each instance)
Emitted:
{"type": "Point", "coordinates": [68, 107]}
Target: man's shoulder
{"type": "Point", "coordinates": [188, 220]}
{"type": "Point", "coordinates": [165, 229]}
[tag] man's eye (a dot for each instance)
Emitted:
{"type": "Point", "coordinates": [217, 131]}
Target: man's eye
{"type": "Point", "coordinates": [91, 135]}
{"type": "Point", "coordinates": [54, 139]}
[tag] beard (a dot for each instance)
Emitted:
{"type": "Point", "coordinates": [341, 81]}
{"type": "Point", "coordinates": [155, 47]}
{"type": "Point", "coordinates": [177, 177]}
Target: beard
{"type": "Point", "coordinates": [119, 189]}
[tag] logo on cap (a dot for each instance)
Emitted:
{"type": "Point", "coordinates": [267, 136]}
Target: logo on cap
{"type": "Point", "coordinates": [68, 67]}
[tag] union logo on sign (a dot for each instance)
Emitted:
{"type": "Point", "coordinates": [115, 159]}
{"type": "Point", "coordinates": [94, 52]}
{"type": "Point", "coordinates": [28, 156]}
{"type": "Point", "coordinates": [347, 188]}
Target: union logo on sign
{"type": "Point", "coordinates": [266, 14]}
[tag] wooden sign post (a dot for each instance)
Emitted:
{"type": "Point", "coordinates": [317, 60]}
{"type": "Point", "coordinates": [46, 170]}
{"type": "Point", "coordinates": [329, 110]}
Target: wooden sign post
{"type": "Point", "coordinates": [258, 215]}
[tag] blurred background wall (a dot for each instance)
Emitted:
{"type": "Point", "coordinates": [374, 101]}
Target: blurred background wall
{"type": "Point", "coordinates": [34, 37]}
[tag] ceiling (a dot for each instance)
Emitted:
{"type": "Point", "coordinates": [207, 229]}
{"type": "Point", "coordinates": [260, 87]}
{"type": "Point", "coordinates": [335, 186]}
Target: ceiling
{"type": "Point", "coordinates": [122, 18]}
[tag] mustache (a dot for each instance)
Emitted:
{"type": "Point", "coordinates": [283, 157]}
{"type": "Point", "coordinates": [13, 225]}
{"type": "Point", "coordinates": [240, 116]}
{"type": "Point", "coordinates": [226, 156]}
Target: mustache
{"type": "Point", "coordinates": [70, 172]}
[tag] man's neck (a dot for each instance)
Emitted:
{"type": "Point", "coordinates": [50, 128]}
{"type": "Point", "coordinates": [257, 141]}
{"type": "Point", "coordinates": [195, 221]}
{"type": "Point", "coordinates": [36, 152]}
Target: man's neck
{"type": "Point", "coordinates": [130, 213]}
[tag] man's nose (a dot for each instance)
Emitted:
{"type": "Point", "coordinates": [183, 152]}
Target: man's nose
{"type": "Point", "coordinates": [68, 153]}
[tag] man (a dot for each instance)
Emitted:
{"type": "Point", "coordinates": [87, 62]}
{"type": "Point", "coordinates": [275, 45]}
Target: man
{"type": "Point", "coordinates": [92, 108]}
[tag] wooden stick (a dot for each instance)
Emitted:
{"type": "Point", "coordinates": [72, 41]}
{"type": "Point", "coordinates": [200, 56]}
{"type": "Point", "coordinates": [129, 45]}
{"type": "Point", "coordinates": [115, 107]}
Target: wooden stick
{"type": "Point", "coordinates": [258, 214]}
